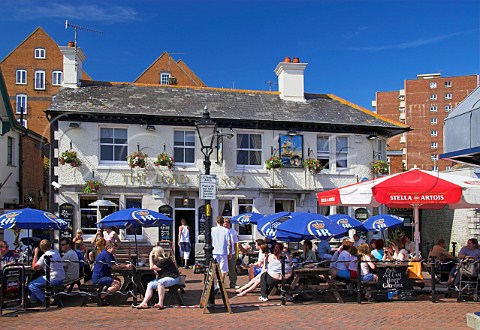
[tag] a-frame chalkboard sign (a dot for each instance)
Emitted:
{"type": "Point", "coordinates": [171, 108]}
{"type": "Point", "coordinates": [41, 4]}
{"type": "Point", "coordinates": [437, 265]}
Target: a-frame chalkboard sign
{"type": "Point", "coordinates": [213, 272]}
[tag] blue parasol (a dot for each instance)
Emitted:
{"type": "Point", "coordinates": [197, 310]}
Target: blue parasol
{"type": "Point", "coordinates": [247, 218]}
{"type": "Point", "coordinates": [31, 219]}
{"type": "Point", "coordinates": [345, 221]}
{"type": "Point", "coordinates": [303, 225]}
{"type": "Point", "coordinates": [134, 217]}
{"type": "Point", "coordinates": [381, 222]}
{"type": "Point", "coordinates": [268, 224]}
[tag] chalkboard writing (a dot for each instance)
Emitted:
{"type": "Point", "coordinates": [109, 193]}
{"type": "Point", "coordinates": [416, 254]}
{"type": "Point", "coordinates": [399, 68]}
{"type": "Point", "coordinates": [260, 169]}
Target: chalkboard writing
{"type": "Point", "coordinates": [66, 213]}
{"type": "Point", "coordinates": [393, 284]}
{"type": "Point", "coordinates": [165, 230]}
{"type": "Point", "coordinates": [12, 287]}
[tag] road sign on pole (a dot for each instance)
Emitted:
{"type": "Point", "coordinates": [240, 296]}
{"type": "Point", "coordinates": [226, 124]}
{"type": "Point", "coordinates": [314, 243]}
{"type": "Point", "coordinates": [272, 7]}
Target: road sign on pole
{"type": "Point", "coordinates": [208, 187]}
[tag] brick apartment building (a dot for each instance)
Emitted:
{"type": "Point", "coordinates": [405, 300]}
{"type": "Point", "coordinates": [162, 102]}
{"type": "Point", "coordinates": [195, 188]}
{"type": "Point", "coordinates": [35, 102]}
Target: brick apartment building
{"type": "Point", "coordinates": [422, 104]}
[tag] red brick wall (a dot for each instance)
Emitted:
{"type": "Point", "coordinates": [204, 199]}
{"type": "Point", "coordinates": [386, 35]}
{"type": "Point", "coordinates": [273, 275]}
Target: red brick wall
{"type": "Point", "coordinates": [152, 74]}
{"type": "Point", "coordinates": [33, 174]}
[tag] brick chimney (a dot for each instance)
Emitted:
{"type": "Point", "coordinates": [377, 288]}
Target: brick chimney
{"type": "Point", "coordinates": [290, 80]}
{"type": "Point", "coordinates": [73, 58]}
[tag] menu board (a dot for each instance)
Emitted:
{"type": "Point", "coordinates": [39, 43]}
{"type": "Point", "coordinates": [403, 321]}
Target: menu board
{"type": "Point", "coordinates": [65, 212]}
{"type": "Point", "coordinates": [12, 287]}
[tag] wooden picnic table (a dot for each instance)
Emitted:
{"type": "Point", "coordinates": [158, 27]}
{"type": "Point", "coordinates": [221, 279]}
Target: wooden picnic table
{"type": "Point", "coordinates": [305, 280]}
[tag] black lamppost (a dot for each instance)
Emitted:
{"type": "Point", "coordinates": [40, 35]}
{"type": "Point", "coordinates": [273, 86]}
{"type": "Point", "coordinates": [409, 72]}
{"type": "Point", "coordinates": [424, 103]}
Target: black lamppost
{"type": "Point", "coordinates": [206, 129]}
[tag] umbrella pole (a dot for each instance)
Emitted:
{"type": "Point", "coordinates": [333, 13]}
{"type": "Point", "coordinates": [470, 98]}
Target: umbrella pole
{"type": "Point", "coordinates": [416, 220]}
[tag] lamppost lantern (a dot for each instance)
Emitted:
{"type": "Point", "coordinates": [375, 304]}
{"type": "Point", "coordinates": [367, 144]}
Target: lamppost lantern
{"type": "Point", "coordinates": [206, 129]}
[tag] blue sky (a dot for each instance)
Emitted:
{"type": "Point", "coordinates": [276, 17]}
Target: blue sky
{"type": "Point", "coordinates": [353, 48]}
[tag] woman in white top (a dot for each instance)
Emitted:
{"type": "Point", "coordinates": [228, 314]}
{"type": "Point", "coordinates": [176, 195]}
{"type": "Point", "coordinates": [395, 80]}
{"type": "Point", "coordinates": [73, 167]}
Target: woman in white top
{"type": "Point", "coordinates": [111, 236]}
{"type": "Point", "coordinates": [398, 253]}
{"type": "Point", "coordinates": [184, 241]}
{"type": "Point", "coordinates": [273, 275]}
{"type": "Point", "coordinates": [255, 282]}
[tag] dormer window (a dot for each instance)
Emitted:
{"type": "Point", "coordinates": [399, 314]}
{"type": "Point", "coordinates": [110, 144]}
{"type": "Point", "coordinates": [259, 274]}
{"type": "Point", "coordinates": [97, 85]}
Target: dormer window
{"type": "Point", "coordinates": [40, 53]}
{"type": "Point", "coordinates": [165, 78]}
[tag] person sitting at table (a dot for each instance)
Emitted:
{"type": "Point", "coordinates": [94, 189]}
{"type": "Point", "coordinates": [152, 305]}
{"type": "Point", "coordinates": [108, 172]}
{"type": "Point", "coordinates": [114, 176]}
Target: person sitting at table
{"type": "Point", "coordinates": [57, 274]}
{"type": "Point", "coordinates": [343, 261]}
{"type": "Point", "coordinates": [470, 250]}
{"type": "Point", "coordinates": [256, 268]}
{"type": "Point", "coordinates": [167, 276]}
{"type": "Point", "coordinates": [271, 244]}
{"type": "Point", "coordinates": [111, 236]}
{"type": "Point", "coordinates": [6, 256]}
{"type": "Point", "coordinates": [273, 275]}
{"type": "Point", "coordinates": [333, 263]}
{"type": "Point", "coordinates": [308, 255]}
{"type": "Point", "coordinates": [102, 270]}
{"type": "Point", "coordinates": [408, 244]}
{"type": "Point", "coordinates": [352, 267]}
{"type": "Point", "coordinates": [81, 250]}
{"type": "Point", "coordinates": [255, 282]}
{"type": "Point", "coordinates": [70, 261]}
{"type": "Point", "coordinates": [378, 251]}
{"type": "Point", "coordinates": [78, 237]}
{"type": "Point", "coordinates": [324, 250]}
{"type": "Point", "coordinates": [367, 265]}
{"type": "Point", "coordinates": [394, 251]}
{"type": "Point", "coordinates": [357, 240]}
{"type": "Point", "coordinates": [98, 235]}
{"type": "Point", "coordinates": [99, 247]}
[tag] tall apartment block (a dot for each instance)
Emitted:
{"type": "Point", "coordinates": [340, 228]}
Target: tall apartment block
{"type": "Point", "coordinates": [422, 104]}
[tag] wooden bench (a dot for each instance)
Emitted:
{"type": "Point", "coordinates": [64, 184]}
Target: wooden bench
{"type": "Point", "coordinates": [173, 292]}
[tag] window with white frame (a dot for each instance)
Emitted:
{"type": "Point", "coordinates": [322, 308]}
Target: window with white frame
{"type": "Point", "coordinates": [433, 96]}
{"type": "Point", "coordinates": [433, 108]}
{"type": "Point", "coordinates": [245, 205]}
{"type": "Point", "coordinates": [249, 149]}
{"type": "Point", "coordinates": [448, 84]}
{"type": "Point", "coordinates": [433, 84]}
{"type": "Point", "coordinates": [401, 97]}
{"type": "Point", "coordinates": [21, 103]}
{"type": "Point", "coordinates": [433, 133]}
{"type": "Point", "coordinates": [21, 77]}
{"type": "Point", "coordinates": [40, 53]}
{"type": "Point", "coordinates": [434, 145]}
{"type": "Point", "coordinates": [448, 168]}
{"type": "Point", "coordinates": [39, 79]}
{"type": "Point", "coordinates": [164, 78]}
{"type": "Point", "coordinates": [434, 157]}
{"type": "Point", "coordinates": [113, 144]}
{"type": "Point", "coordinates": [433, 121]}
{"type": "Point", "coordinates": [184, 147]}
{"type": "Point", "coordinates": [401, 109]}
{"type": "Point", "coordinates": [57, 78]}
{"type": "Point", "coordinates": [342, 151]}
{"type": "Point", "coordinates": [435, 168]}
{"type": "Point", "coordinates": [10, 151]}
{"type": "Point", "coordinates": [448, 96]}
{"type": "Point", "coordinates": [323, 150]}
{"type": "Point", "coordinates": [448, 108]}
{"type": "Point", "coordinates": [22, 122]}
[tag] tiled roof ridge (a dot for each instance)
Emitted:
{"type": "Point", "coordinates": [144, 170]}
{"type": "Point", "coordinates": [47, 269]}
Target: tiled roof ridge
{"type": "Point", "coordinates": [371, 113]}
{"type": "Point", "coordinates": [116, 83]}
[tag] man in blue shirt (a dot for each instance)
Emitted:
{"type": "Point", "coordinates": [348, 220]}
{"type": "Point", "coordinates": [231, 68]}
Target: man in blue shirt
{"type": "Point", "coordinates": [6, 256]}
{"type": "Point", "coordinates": [324, 250]}
{"type": "Point", "coordinates": [102, 271]}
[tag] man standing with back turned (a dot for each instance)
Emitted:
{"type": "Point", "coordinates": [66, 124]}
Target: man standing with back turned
{"type": "Point", "coordinates": [221, 246]}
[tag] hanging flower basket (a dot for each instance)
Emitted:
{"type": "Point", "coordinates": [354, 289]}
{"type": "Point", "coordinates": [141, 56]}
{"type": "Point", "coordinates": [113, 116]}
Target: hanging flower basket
{"type": "Point", "coordinates": [273, 162]}
{"type": "Point", "coordinates": [69, 157]}
{"type": "Point", "coordinates": [137, 159]}
{"type": "Point", "coordinates": [92, 186]}
{"type": "Point", "coordinates": [380, 167]}
{"type": "Point", "coordinates": [313, 165]}
{"type": "Point", "coordinates": [164, 159]}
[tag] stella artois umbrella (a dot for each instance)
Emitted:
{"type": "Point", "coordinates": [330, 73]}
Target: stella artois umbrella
{"type": "Point", "coordinates": [413, 189]}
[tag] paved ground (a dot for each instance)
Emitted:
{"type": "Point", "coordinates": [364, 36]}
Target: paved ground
{"type": "Point", "coordinates": [247, 314]}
